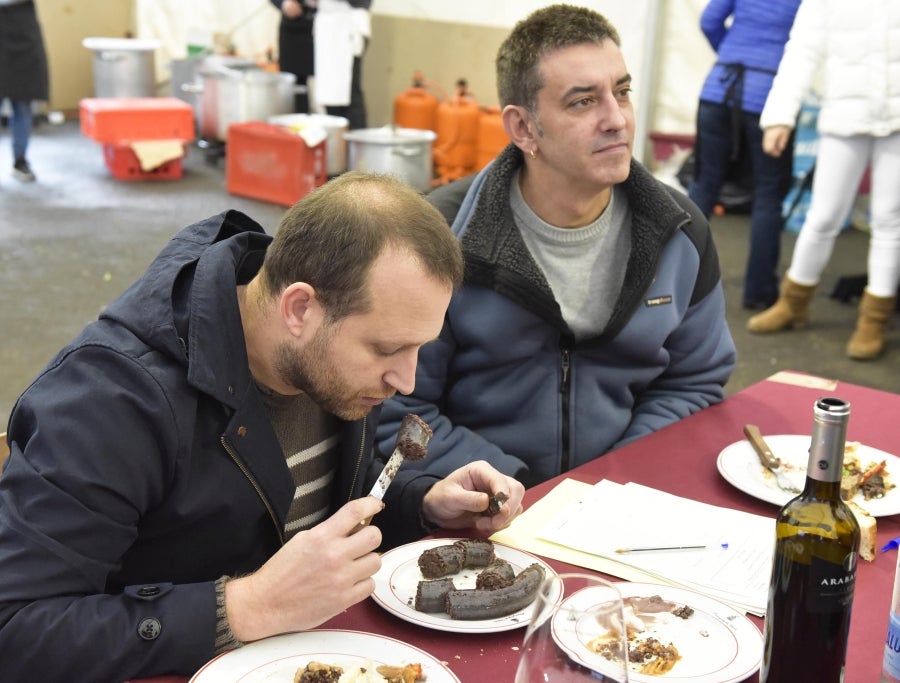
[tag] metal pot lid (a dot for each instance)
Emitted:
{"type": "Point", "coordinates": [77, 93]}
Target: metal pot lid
{"type": "Point", "coordinates": [301, 120]}
{"type": "Point", "coordinates": [251, 74]}
{"type": "Point", "coordinates": [390, 135]}
{"type": "Point", "coordinates": [120, 44]}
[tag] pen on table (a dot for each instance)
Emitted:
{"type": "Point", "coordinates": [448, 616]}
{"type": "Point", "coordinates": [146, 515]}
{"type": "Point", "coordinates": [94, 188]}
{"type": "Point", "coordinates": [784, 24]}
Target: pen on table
{"type": "Point", "coordinates": [644, 549]}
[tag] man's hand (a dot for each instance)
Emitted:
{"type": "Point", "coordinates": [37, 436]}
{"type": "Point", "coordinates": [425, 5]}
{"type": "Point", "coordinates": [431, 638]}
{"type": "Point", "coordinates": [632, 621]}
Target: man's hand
{"type": "Point", "coordinates": [317, 574]}
{"type": "Point", "coordinates": [460, 500]}
{"type": "Point", "coordinates": [291, 9]}
{"type": "Point", "coordinates": [775, 140]}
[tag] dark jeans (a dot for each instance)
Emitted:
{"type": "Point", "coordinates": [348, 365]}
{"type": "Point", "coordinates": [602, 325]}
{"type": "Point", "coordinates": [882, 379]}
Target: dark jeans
{"type": "Point", "coordinates": [771, 181]}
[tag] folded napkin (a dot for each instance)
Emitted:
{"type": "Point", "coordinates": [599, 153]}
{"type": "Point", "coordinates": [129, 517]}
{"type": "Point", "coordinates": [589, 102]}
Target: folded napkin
{"type": "Point", "coordinates": [154, 153]}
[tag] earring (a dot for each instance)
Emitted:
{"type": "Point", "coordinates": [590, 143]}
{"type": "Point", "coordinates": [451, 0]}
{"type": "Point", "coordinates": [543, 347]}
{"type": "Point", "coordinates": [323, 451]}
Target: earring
{"type": "Point", "coordinates": [533, 154]}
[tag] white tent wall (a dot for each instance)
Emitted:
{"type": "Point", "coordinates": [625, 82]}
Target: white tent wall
{"type": "Point", "coordinates": [663, 46]}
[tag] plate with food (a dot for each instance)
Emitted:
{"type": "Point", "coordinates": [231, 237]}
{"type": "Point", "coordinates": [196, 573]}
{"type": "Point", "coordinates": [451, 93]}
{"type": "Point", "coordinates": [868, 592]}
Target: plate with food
{"type": "Point", "coordinates": [460, 585]}
{"type": "Point", "coordinates": [325, 656]}
{"type": "Point", "coordinates": [673, 633]}
{"type": "Point", "coordinates": [877, 494]}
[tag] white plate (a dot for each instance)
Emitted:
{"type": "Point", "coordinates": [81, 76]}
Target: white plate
{"type": "Point", "coordinates": [717, 644]}
{"type": "Point", "coordinates": [399, 576]}
{"type": "Point", "coordinates": [740, 466]}
{"type": "Point", "coordinates": [276, 659]}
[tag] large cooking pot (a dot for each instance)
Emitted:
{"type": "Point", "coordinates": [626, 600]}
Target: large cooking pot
{"type": "Point", "coordinates": [334, 126]}
{"type": "Point", "coordinates": [123, 67]}
{"type": "Point", "coordinates": [402, 152]}
{"type": "Point", "coordinates": [235, 94]}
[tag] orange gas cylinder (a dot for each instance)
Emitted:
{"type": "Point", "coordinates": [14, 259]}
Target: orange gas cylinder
{"type": "Point", "coordinates": [416, 107]}
{"type": "Point", "coordinates": [456, 145]}
{"type": "Point", "coordinates": [492, 137]}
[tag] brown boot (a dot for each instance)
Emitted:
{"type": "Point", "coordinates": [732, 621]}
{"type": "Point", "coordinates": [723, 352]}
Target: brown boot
{"type": "Point", "coordinates": [868, 339]}
{"type": "Point", "coordinates": [791, 309]}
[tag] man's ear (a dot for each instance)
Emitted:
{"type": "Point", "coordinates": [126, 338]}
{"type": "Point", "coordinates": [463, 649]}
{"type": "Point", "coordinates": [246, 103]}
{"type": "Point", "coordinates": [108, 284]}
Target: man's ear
{"type": "Point", "coordinates": [300, 308]}
{"type": "Point", "coordinates": [520, 126]}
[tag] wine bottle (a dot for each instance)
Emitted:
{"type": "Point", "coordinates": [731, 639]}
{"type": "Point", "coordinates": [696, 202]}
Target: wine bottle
{"type": "Point", "coordinates": [814, 567]}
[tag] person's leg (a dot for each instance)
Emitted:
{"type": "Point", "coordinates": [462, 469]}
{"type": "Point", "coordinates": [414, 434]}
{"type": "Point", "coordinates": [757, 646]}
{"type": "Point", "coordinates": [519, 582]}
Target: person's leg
{"type": "Point", "coordinates": [712, 152]}
{"type": "Point", "coordinates": [295, 52]}
{"type": "Point", "coordinates": [771, 179]}
{"type": "Point", "coordinates": [880, 296]}
{"type": "Point", "coordinates": [884, 246]}
{"type": "Point", "coordinates": [20, 130]}
{"type": "Point", "coordinates": [840, 164]}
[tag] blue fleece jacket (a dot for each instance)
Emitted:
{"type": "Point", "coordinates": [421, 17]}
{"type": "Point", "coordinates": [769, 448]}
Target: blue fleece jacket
{"type": "Point", "coordinates": [507, 383]}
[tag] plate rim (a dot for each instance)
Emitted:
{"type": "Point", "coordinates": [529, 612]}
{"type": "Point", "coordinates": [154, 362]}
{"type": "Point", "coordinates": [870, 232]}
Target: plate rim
{"type": "Point", "coordinates": [774, 496]}
{"type": "Point", "coordinates": [377, 641]}
{"type": "Point", "coordinates": [408, 613]}
{"type": "Point", "coordinates": [676, 594]}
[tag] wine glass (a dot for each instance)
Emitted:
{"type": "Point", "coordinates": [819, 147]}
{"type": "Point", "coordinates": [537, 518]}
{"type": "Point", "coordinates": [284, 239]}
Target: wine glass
{"type": "Point", "coordinates": [576, 633]}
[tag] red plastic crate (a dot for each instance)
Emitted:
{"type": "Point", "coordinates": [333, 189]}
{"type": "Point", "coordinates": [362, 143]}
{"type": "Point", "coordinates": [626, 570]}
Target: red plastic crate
{"type": "Point", "coordinates": [124, 164]}
{"type": "Point", "coordinates": [266, 162]}
{"type": "Point", "coordinates": [116, 119]}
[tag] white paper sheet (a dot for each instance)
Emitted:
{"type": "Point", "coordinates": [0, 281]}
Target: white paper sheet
{"type": "Point", "coordinates": [613, 516]}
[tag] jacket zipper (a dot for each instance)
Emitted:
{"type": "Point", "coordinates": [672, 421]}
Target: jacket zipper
{"type": "Point", "coordinates": [564, 390]}
{"type": "Point", "coordinates": [359, 459]}
{"type": "Point", "coordinates": [256, 487]}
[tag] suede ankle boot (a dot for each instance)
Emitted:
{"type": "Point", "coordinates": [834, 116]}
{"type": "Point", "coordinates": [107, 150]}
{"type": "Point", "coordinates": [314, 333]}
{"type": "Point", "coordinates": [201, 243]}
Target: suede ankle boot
{"type": "Point", "coordinates": [791, 309]}
{"type": "Point", "coordinates": [867, 341]}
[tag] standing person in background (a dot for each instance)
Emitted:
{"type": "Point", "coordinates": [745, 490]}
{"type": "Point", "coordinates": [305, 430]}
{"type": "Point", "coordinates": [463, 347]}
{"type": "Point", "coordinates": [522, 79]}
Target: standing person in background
{"type": "Point", "coordinates": [23, 75]}
{"type": "Point", "coordinates": [341, 34]}
{"type": "Point", "coordinates": [857, 44]}
{"type": "Point", "coordinates": [295, 45]}
{"type": "Point", "coordinates": [592, 310]}
{"type": "Point", "coordinates": [747, 55]}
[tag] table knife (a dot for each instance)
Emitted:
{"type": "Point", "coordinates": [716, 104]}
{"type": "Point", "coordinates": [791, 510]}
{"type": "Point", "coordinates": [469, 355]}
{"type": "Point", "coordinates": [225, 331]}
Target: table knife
{"type": "Point", "coordinates": [768, 459]}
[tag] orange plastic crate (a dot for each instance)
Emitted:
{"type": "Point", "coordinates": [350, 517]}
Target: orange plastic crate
{"type": "Point", "coordinates": [267, 162]}
{"type": "Point", "coordinates": [117, 119]}
{"type": "Point", "coordinates": [123, 163]}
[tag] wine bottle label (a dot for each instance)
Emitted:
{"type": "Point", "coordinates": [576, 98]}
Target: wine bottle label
{"type": "Point", "coordinates": [891, 665]}
{"type": "Point", "coordinates": [830, 585]}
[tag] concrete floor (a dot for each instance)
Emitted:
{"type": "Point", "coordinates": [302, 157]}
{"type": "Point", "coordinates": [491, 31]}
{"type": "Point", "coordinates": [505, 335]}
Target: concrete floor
{"type": "Point", "coordinates": [71, 242]}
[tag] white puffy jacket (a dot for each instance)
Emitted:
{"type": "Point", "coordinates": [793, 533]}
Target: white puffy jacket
{"type": "Point", "coordinates": [857, 45]}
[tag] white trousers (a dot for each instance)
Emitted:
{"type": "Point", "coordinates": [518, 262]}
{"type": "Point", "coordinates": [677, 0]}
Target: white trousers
{"type": "Point", "coordinates": [840, 164]}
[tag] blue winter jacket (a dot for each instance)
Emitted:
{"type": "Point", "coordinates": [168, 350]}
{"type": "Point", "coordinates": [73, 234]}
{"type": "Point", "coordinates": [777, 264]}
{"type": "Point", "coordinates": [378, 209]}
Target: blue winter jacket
{"type": "Point", "coordinates": [748, 37]}
{"type": "Point", "coordinates": [506, 382]}
{"type": "Point", "coordinates": [144, 467]}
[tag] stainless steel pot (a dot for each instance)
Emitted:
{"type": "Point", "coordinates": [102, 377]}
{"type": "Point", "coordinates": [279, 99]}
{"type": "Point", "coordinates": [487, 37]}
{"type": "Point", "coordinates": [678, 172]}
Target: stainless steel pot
{"type": "Point", "coordinates": [231, 94]}
{"type": "Point", "coordinates": [123, 67]}
{"type": "Point", "coordinates": [334, 126]}
{"type": "Point", "coordinates": [402, 152]}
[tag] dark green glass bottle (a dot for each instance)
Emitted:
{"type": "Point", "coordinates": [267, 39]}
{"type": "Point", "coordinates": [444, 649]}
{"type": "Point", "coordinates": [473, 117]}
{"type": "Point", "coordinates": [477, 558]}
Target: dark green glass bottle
{"type": "Point", "coordinates": [814, 568]}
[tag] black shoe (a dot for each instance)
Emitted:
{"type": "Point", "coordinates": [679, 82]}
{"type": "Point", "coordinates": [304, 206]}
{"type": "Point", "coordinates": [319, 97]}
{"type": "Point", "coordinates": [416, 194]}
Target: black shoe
{"type": "Point", "coordinates": [22, 171]}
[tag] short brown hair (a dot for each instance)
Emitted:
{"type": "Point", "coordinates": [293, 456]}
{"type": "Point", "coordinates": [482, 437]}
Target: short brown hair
{"type": "Point", "coordinates": [331, 237]}
{"type": "Point", "coordinates": [543, 31]}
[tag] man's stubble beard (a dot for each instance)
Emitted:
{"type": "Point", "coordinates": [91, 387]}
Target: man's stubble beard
{"type": "Point", "coordinates": [312, 371]}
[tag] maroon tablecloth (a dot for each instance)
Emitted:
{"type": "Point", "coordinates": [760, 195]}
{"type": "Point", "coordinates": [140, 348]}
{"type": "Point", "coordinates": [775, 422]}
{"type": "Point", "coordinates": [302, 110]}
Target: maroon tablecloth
{"type": "Point", "coordinates": [681, 459]}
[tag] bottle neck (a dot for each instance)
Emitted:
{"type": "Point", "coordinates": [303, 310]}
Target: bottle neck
{"type": "Point", "coordinates": [826, 449]}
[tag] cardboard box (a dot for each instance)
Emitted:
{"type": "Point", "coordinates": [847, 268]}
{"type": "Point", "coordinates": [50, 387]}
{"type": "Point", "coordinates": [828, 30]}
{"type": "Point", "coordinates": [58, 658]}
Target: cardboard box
{"type": "Point", "coordinates": [115, 120]}
{"type": "Point", "coordinates": [267, 162]}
